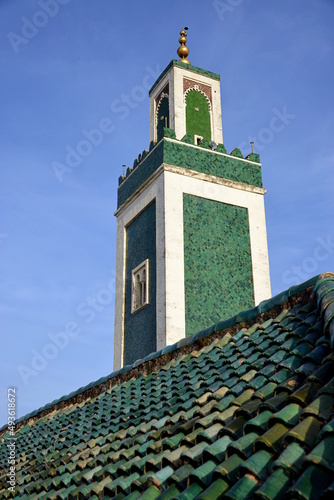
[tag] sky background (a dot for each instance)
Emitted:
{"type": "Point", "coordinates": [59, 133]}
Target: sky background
{"type": "Point", "coordinates": [62, 69]}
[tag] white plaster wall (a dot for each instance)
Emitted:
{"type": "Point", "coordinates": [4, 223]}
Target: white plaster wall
{"type": "Point", "coordinates": [171, 100]}
{"type": "Point", "coordinates": [217, 113]}
{"type": "Point", "coordinates": [119, 295]}
{"type": "Point", "coordinates": [175, 315]}
{"type": "Point", "coordinates": [259, 250]}
{"type": "Point", "coordinates": [179, 104]}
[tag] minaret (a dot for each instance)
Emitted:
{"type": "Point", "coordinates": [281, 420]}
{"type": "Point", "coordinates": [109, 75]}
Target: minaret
{"type": "Point", "coordinates": [191, 231]}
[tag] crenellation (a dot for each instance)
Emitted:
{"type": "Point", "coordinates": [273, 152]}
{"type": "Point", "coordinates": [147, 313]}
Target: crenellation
{"type": "Point", "coordinates": [187, 139]}
{"type": "Point", "coordinates": [195, 157]}
{"type": "Point", "coordinates": [255, 157]}
{"type": "Point", "coordinates": [221, 149]}
{"type": "Point", "coordinates": [236, 152]}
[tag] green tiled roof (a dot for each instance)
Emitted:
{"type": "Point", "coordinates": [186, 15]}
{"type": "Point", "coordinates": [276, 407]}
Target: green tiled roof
{"type": "Point", "coordinates": [244, 409]}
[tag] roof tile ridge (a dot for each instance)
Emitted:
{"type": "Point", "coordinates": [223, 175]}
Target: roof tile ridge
{"type": "Point", "coordinates": [323, 294]}
{"type": "Point", "coordinates": [267, 309]}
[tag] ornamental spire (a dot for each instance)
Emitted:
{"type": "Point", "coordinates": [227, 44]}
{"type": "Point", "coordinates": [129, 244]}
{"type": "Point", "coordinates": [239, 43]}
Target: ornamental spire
{"type": "Point", "coordinates": [183, 50]}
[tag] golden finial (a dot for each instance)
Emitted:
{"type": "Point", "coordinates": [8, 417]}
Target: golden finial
{"type": "Point", "coordinates": [183, 50]}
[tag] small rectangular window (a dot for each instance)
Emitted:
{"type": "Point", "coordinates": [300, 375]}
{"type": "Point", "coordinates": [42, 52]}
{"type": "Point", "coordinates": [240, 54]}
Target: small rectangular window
{"type": "Point", "coordinates": [140, 286]}
{"type": "Point", "coordinates": [198, 140]}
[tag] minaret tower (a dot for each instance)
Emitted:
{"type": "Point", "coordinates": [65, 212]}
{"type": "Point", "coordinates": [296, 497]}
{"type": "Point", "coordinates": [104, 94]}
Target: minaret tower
{"type": "Point", "coordinates": [191, 231]}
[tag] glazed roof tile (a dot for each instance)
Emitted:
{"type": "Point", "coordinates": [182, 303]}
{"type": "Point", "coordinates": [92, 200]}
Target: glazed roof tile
{"type": "Point", "coordinates": [243, 409]}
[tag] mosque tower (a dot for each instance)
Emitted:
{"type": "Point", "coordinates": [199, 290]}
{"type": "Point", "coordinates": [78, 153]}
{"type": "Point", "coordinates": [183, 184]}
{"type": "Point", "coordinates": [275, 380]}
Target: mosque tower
{"type": "Point", "coordinates": [191, 231]}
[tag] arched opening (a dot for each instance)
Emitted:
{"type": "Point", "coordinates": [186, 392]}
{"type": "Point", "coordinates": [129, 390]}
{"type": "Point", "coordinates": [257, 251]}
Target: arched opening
{"type": "Point", "coordinates": [162, 116]}
{"type": "Point", "coordinates": [198, 121]}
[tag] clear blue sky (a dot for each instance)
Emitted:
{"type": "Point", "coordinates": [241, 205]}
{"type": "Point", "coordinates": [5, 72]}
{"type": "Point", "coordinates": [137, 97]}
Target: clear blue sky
{"type": "Point", "coordinates": [60, 78]}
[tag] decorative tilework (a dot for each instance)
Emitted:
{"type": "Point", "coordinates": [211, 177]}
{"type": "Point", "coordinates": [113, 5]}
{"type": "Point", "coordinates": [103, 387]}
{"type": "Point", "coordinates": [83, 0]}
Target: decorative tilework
{"type": "Point", "coordinates": [180, 154]}
{"type": "Point", "coordinates": [140, 174]}
{"type": "Point", "coordinates": [140, 327]}
{"type": "Point", "coordinates": [197, 115]}
{"type": "Point", "coordinates": [217, 258]}
{"type": "Point", "coordinates": [209, 162]}
{"type": "Point", "coordinates": [206, 89]}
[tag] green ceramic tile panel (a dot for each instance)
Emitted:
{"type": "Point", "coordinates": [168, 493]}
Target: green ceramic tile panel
{"type": "Point", "coordinates": [209, 162]}
{"type": "Point", "coordinates": [135, 438]}
{"type": "Point", "coordinates": [141, 245]}
{"type": "Point", "coordinates": [198, 115]}
{"type": "Point", "coordinates": [217, 261]}
{"type": "Point", "coordinates": [181, 154]}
